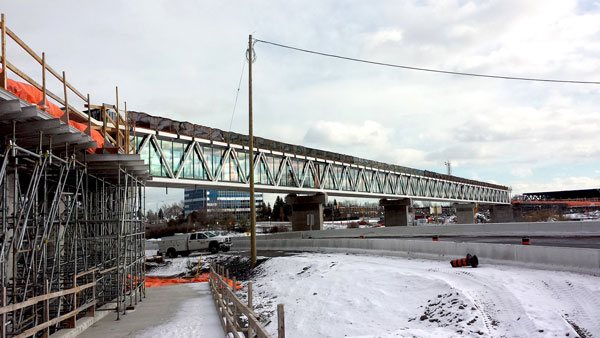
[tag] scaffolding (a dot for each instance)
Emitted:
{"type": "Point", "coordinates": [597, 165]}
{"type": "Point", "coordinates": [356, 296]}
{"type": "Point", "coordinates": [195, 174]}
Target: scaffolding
{"type": "Point", "coordinates": [72, 238]}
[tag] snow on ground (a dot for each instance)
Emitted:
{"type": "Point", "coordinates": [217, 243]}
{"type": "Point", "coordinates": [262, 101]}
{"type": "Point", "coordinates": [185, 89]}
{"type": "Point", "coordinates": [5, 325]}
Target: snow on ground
{"type": "Point", "coordinates": [337, 295]}
{"type": "Point", "coordinates": [173, 267]}
{"type": "Point", "coordinates": [196, 318]}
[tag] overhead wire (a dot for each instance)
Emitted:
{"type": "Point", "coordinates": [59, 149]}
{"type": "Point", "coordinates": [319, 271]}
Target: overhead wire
{"type": "Point", "coordinates": [237, 94]}
{"type": "Point", "coordinates": [425, 69]}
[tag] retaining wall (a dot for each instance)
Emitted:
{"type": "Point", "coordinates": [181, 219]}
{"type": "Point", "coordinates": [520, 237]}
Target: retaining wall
{"type": "Point", "coordinates": [542, 257]}
{"type": "Point", "coordinates": [571, 228]}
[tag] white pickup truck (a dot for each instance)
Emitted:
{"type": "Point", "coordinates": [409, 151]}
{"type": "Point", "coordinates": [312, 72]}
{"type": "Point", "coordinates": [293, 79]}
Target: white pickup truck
{"type": "Point", "coordinates": [184, 244]}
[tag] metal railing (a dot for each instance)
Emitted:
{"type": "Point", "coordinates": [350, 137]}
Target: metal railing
{"type": "Point", "coordinates": [231, 309]}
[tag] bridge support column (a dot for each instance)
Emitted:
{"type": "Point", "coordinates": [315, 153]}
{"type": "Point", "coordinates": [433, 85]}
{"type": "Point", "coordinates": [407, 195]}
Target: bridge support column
{"type": "Point", "coordinates": [395, 211]}
{"type": "Point", "coordinates": [465, 213]}
{"type": "Point", "coordinates": [501, 213]}
{"type": "Point", "coordinates": [307, 211]}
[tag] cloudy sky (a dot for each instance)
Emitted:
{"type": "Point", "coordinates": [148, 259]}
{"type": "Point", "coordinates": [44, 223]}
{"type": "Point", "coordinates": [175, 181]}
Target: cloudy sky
{"type": "Point", "coordinates": [183, 60]}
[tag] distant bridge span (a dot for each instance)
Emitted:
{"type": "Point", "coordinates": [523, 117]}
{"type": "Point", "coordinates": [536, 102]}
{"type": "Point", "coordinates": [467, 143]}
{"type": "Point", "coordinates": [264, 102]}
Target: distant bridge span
{"type": "Point", "coordinates": [184, 155]}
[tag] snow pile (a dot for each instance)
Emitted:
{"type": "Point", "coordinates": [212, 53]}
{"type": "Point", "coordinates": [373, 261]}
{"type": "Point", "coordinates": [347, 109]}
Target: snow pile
{"type": "Point", "coordinates": [337, 295]}
{"type": "Point", "coordinates": [174, 267]}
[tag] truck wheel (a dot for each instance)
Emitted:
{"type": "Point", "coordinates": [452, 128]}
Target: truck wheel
{"type": "Point", "coordinates": [214, 248]}
{"type": "Point", "coordinates": [171, 253]}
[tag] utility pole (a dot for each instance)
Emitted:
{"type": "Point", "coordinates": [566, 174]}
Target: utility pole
{"type": "Point", "coordinates": [251, 159]}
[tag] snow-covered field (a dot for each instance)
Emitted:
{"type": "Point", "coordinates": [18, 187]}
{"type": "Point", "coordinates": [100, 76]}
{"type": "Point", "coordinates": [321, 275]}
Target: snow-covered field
{"type": "Point", "coordinates": [337, 295]}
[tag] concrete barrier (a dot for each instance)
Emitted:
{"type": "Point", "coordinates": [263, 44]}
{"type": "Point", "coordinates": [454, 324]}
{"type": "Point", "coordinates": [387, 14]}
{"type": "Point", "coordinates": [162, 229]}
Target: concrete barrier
{"type": "Point", "coordinates": [571, 228]}
{"type": "Point", "coordinates": [579, 260]}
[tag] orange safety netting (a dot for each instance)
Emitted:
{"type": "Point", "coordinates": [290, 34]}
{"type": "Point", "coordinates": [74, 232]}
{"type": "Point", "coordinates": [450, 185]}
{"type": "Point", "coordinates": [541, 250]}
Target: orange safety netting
{"type": "Point", "coordinates": [33, 95]}
{"type": "Point", "coordinates": [153, 281]}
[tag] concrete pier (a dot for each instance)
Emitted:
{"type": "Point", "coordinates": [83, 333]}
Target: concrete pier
{"type": "Point", "coordinates": [307, 211]}
{"type": "Point", "coordinates": [395, 211]}
{"type": "Point", "coordinates": [501, 213]}
{"type": "Point", "coordinates": [465, 212]}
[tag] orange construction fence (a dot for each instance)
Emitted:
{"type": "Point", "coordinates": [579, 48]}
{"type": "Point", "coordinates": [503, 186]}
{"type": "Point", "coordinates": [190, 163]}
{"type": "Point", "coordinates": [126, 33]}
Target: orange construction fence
{"type": "Point", "coordinates": [33, 95]}
{"type": "Point", "coordinates": [153, 281]}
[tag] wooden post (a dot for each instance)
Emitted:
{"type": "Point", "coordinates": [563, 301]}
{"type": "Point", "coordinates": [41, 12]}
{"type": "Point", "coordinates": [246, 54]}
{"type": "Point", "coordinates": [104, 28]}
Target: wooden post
{"type": "Point", "coordinates": [92, 310]}
{"type": "Point", "coordinates": [127, 141]}
{"type": "Point", "coordinates": [43, 103]}
{"type": "Point", "coordinates": [3, 76]}
{"type": "Point", "coordinates": [89, 116]}
{"type": "Point", "coordinates": [280, 322]}
{"type": "Point", "coordinates": [117, 139]}
{"type": "Point", "coordinates": [250, 295]}
{"type": "Point", "coordinates": [250, 330]}
{"type": "Point", "coordinates": [64, 80]}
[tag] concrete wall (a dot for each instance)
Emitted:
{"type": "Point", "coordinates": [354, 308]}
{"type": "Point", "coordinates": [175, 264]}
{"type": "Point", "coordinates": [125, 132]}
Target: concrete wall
{"type": "Point", "coordinates": [307, 211]}
{"type": "Point", "coordinates": [541, 257]}
{"type": "Point", "coordinates": [486, 229]}
{"type": "Point", "coordinates": [501, 213]}
{"type": "Point", "coordinates": [395, 211]}
{"type": "Point", "coordinates": [465, 213]}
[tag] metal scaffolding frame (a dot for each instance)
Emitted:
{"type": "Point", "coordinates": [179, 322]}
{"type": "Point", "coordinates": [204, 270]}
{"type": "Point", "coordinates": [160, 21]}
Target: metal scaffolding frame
{"type": "Point", "coordinates": [72, 236]}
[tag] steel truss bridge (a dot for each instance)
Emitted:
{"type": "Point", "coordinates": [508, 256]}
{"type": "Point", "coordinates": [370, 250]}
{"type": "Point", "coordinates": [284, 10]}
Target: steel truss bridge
{"type": "Point", "coordinates": [181, 154]}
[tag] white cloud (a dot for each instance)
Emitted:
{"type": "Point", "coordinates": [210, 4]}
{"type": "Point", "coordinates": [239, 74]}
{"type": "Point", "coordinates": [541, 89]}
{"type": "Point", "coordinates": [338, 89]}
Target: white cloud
{"type": "Point", "coordinates": [521, 172]}
{"type": "Point", "coordinates": [384, 36]}
{"type": "Point", "coordinates": [188, 68]}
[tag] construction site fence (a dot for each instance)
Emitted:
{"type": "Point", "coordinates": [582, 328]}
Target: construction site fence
{"type": "Point", "coordinates": [236, 317]}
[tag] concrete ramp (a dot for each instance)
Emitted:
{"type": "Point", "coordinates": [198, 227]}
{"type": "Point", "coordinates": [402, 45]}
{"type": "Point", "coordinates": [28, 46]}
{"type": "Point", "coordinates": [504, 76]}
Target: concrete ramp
{"type": "Point", "coordinates": [168, 311]}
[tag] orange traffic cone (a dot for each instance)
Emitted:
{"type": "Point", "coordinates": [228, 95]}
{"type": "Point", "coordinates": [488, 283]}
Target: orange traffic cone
{"type": "Point", "coordinates": [469, 260]}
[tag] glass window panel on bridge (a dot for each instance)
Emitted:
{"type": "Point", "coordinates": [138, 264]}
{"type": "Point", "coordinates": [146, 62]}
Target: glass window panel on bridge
{"type": "Point", "coordinates": [178, 155]}
{"type": "Point", "coordinates": [218, 163]}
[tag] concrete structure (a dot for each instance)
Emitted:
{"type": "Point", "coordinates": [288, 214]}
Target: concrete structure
{"type": "Point", "coordinates": [219, 201]}
{"type": "Point", "coordinates": [465, 213]}
{"type": "Point", "coordinates": [395, 211]}
{"type": "Point", "coordinates": [542, 257]}
{"type": "Point", "coordinates": [501, 213]}
{"type": "Point", "coordinates": [554, 229]}
{"type": "Point", "coordinates": [162, 307]}
{"type": "Point", "coordinates": [307, 211]}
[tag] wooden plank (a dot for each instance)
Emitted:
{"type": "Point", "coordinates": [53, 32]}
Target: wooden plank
{"type": "Point", "coordinates": [23, 45]}
{"type": "Point", "coordinates": [54, 321]}
{"type": "Point", "coordinates": [81, 274]}
{"type": "Point", "coordinates": [3, 76]}
{"type": "Point", "coordinates": [32, 82]}
{"type": "Point", "coordinates": [40, 298]}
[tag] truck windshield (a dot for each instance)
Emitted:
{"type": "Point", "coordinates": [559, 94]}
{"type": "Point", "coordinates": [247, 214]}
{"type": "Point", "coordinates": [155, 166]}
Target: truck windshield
{"type": "Point", "coordinates": [210, 234]}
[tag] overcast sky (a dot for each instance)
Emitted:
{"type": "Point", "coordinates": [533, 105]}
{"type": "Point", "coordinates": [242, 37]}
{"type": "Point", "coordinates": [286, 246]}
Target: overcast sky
{"type": "Point", "coordinates": [183, 60]}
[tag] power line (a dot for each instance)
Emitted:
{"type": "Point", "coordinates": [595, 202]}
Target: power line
{"type": "Point", "coordinates": [426, 69]}
{"type": "Point", "coordinates": [237, 94]}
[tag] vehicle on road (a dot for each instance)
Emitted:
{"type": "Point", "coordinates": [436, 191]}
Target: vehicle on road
{"type": "Point", "coordinates": [184, 244]}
